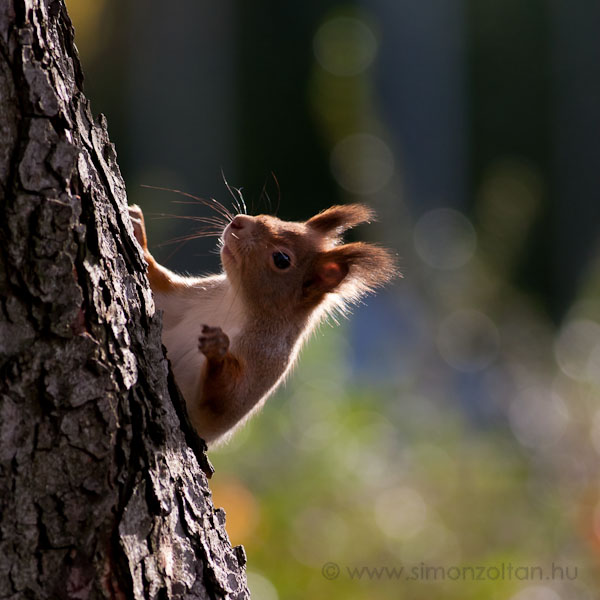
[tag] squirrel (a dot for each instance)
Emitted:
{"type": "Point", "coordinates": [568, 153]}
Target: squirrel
{"type": "Point", "coordinates": [232, 337]}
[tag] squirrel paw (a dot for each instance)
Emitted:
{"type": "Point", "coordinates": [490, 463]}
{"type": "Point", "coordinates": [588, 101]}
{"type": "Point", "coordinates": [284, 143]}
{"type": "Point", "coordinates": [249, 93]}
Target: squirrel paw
{"type": "Point", "coordinates": [137, 220]}
{"type": "Point", "coordinates": [213, 343]}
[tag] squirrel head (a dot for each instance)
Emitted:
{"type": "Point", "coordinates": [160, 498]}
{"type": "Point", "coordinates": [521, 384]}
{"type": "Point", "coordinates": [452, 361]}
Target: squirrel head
{"type": "Point", "coordinates": [287, 269]}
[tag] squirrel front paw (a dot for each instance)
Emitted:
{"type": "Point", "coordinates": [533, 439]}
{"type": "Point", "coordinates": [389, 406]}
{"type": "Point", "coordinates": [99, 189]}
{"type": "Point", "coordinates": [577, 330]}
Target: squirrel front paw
{"type": "Point", "coordinates": [139, 229]}
{"type": "Point", "coordinates": [213, 342]}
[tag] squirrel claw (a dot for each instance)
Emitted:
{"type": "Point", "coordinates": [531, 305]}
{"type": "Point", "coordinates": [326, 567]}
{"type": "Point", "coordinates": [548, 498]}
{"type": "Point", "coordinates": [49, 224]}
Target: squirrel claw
{"type": "Point", "coordinates": [213, 342]}
{"type": "Point", "coordinates": [137, 220]}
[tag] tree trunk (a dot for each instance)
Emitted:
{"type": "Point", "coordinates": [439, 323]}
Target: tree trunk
{"type": "Point", "coordinates": [102, 490]}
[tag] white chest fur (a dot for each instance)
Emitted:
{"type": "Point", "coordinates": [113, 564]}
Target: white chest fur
{"type": "Point", "coordinates": [208, 301]}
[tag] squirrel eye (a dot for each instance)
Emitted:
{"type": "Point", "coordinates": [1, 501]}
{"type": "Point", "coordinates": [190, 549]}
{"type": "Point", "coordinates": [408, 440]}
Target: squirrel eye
{"type": "Point", "coordinates": [281, 260]}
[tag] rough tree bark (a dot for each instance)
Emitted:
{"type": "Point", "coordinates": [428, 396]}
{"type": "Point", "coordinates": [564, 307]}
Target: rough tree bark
{"type": "Point", "coordinates": [102, 494]}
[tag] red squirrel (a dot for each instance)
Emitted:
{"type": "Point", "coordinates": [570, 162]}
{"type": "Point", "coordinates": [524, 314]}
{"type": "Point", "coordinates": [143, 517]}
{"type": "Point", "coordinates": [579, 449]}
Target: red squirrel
{"type": "Point", "coordinates": [232, 338]}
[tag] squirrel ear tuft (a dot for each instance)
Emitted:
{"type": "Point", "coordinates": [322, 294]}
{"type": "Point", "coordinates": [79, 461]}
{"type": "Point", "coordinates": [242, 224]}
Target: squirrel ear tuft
{"type": "Point", "coordinates": [341, 217]}
{"type": "Point", "coordinates": [351, 270]}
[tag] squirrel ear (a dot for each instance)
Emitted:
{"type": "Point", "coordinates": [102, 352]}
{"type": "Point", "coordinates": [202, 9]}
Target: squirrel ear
{"type": "Point", "coordinates": [351, 270]}
{"type": "Point", "coordinates": [324, 277]}
{"type": "Point", "coordinates": [340, 218]}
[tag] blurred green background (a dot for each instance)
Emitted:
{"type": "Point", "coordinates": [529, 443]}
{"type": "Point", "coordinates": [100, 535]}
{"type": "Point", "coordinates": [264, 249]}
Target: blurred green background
{"type": "Point", "coordinates": [454, 420]}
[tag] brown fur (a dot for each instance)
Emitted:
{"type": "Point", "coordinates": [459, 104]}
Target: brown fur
{"type": "Point", "coordinates": [340, 218]}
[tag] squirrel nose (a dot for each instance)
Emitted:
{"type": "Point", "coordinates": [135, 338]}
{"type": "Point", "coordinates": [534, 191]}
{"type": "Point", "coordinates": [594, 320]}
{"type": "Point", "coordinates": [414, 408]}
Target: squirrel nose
{"type": "Point", "coordinates": [240, 221]}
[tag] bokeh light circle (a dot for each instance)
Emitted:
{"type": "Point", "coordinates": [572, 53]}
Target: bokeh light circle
{"type": "Point", "coordinates": [595, 434]}
{"type": "Point", "coordinates": [468, 340]}
{"type": "Point", "coordinates": [538, 417]}
{"type": "Point", "coordinates": [400, 512]}
{"type": "Point", "coordinates": [344, 46]}
{"type": "Point", "coordinates": [536, 592]}
{"type": "Point", "coordinates": [260, 587]}
{"type": "Point", "coordinates": [576, 349]}
{"type": "Point", "coordinates": [362, 163]}
{"type": "Point", "coordinates": [444, 238]}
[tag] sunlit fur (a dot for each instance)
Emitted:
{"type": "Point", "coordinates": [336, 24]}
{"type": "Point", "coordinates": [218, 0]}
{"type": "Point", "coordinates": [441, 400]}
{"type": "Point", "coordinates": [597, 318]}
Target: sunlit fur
{"type": "Point", "coordinates": [266, 312]}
